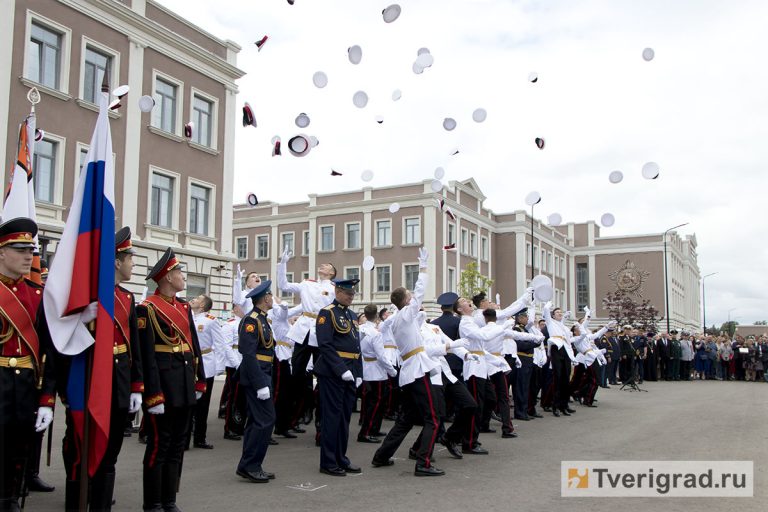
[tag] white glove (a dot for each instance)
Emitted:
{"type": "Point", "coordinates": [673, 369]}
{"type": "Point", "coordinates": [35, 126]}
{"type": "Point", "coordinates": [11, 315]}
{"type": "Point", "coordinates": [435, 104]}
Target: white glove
{"type": "Point", "coordinates": [549, 305]}
{"type": "Point", "coordinates": [460, 343]}
{"type": "Point", "coordinates": [198, 395]}
{"type": "Point", "coordinates": [472, 357]}
{"type": "Point", "coordinates": [90, 312]}
{"type": "Point", "coordinates": [358, 381]}
{"type": "Point", "coordinates": [567, 315]}
{"type": "Point", "coordinates": [347, 376]}
{"type": "Point", "coordinates": [539, 338]}
{"type": "Point", "coordinates": [587, 312]}
{"type": "Point", "coordinates": [44, 418]}
{"type": "Point", "coordinates": [286, 256]}
{"type": "Point", "coordinates": [518, 362]}
{"type": "Point", "coordinates": [157, 409]}
{"type": "Point", "coordinates": [434, 371]}
{"type": "Point", "coordinates": [135, 403]}
{"type": "Point", "coordinates": [263, 393]}
{"type": "Point", "coordinates": [240, 273]}
{"type": "Point", "coordinates": [612, 324]}
{"type": "Point", "coordinates": [423, 257]}
{"type": "Point", "coordinates": [392, 372]}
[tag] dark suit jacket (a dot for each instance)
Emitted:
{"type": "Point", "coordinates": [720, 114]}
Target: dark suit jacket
{"type": "Point", "coordinates": [449, 324]}
{"type": "Point", "coordinates": [255, 339]}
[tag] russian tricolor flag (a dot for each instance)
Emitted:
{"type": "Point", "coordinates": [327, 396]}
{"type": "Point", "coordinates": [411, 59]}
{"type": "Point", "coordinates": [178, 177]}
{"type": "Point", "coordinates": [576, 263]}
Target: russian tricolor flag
{"type": "Point", "coordinates": [83, 272]}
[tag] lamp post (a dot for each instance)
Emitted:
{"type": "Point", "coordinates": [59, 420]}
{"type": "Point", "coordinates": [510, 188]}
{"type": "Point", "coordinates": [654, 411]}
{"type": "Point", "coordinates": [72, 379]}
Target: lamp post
{"type": "Point", "coordinates": [704, 301]}
{"type": "Point", "coordinates": [730, 326]}
{"type": "Point", "coordinates": [666, 275]}
{"type": "Point", "coordinates": [533, 247]}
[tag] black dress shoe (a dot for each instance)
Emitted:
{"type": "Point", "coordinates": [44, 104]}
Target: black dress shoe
{"type": "Point", "coordinates": [352, 469]}
{"type": "Point", "coordinates": [568, 409]}
{"type": "Point", "coordinates": [273, 442]}
{"type": "Point", "coordinates": [590, 405]}
{"type": "Point", "coordinates": [454, 450]}
{"type": "Point", "coordinates": [258, 477]}
{"type": "Point", "coordinates": [171, 507]}
{"type": "Point", "coordinates": [382, 463]}
{"type": "Point", "coordinates": [565, 412]}
{"type": "Point", "coordinates": [269, 475]}
{"type": "Point", "coordinates": [232, 437]}
{"type": "Point", "coordinates": [555, 413]}
{"type": "Point", "coordinates": [286, 435]}
{"type": "Point", "coordinates": [535, 415]}
{"type": "Point", "coordinates": [495, 416]}
{"type": "Point", "coordinates": [127, 433]}
{"type": "Point", "coordinates": [143, 439]}
{"type": "Point", "coordinates": [473, 451]}
{"type": "Point", "coordinates": [337, 471]}
{"type": "Point", "coordinates": [412, 454]}
{"type": "Point", "coordinates": [428, 471]}
{"type": "Point", "coordinates": [509, 435]}
{"type": "Point", "coordinates": [487, 430]}
{"type": "Point", "coordinates": [368, 439]}
{"type": "Point", "coordinates": [379, 434]}
{"type": "Point", "coordinates": [523, 418]}
{"type": "Point", "coordinates": [299, 430]}
{"type": "Point", "coordinates": [205, 445]}
{"type": "Point", "coordinates": [38, 485]}
{"type": "Point", "coordinates": [547, 409]}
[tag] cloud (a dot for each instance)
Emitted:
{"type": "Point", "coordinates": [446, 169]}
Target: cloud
{"type": "Point", "coordinates": [698, 109]}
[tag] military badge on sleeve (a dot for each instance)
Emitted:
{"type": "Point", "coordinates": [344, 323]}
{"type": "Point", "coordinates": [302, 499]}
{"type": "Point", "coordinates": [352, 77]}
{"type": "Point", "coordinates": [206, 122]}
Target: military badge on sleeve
{"type": "Point", "coordinates": [250, 328]}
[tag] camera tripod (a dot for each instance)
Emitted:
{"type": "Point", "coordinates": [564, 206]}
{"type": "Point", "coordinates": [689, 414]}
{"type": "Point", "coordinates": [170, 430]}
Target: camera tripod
{"type": "Point", "coordinates": [631, 384]}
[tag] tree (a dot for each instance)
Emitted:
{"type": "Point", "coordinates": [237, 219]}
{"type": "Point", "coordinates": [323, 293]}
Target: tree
{"type": "Point", "coordinates": [625, 310]}
{"type": "Point", "coordinates": [729, 328]}
{"type": "Point", "coordinates": [472, 281]}
{"type": "Point", "coordinates": [761, 322]}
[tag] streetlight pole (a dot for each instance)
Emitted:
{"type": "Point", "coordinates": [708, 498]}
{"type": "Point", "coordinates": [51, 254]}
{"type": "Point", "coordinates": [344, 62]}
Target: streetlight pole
{"type": "Point", "coordinates": [533, 248]}
{"type": "Point", "coordinates": [729, 323]}
{"type": "Point", "coordinates": [704, 301]}
{"type": "Point", "coordinates": [666, 275]}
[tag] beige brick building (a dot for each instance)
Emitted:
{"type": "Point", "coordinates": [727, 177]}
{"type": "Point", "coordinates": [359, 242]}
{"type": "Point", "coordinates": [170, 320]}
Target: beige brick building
{"type": "Point", "coordinates": [172, 191]}
{"type": "Point", "coordinates": [345, 227]}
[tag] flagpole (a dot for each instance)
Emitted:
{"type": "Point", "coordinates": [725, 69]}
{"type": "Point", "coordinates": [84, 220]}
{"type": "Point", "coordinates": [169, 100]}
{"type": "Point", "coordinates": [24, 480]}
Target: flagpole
{"type": "Point", "coordinates": [83, 504]}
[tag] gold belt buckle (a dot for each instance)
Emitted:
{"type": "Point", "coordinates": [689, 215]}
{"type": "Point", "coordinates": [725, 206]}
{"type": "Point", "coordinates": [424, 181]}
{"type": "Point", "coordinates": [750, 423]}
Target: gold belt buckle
{"type": "Point", "coordinates": [176, 348]}
{"type": "Point", "coordinates": [12, 362]}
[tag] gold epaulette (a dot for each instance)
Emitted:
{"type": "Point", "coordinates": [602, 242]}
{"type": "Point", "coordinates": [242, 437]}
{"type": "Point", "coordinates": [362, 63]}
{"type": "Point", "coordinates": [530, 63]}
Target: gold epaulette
{"type": "Point", "coordinates": [329, 307]}
{"type": "Point", "coordinates": [254, 314]}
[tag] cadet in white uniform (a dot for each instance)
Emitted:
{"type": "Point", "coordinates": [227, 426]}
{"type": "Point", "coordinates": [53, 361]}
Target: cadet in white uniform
{"type": "Point", "coordinates": [211, 340]}
{"type": "Point", "coordinates": [314, 296]}
{"type": "Point", "coordinates": [281, 368]}
{"type": "Point", "coordinates": [376, 371]}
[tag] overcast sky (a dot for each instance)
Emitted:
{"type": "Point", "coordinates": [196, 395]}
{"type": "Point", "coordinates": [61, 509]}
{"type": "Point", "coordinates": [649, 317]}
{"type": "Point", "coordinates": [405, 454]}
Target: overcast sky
{"type": "Point", "coordinates": [699, 109]}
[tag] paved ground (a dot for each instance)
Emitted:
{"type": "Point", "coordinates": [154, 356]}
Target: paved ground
{"type": "Point", "coordinates": [673, 421]}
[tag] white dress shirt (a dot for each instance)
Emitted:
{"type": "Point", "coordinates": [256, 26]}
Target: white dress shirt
{"type": "Point", "coordinates": [211, 340]}
{"type": "Point", "coordinates": [407, 334]}
{"type": "Point", "coordinates": [375, 364]}
{"type": "Point", "coordinates": [559, 334]}
{"type": "Point", "coordinates": [314, 296]}
{"type": "Point", "coordinates": [477, 337]}
{"type": "Point", "coordinates": [279, 315]}
{"type": "Point", "coordinates": [435, 344]}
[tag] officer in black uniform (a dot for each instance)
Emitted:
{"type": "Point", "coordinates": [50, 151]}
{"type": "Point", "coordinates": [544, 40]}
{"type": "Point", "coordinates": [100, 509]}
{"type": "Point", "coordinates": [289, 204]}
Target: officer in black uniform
{"type": "Point", "coordinates": [522, 375]}
{"type": "Point", "coordinates": [339, 372]}
{"type": "Point", "coordinates": [457, 397]}
{"type": "Point", "coordinates": [257, 344]}
{"type": "Point", "coordinates": [173, 381]}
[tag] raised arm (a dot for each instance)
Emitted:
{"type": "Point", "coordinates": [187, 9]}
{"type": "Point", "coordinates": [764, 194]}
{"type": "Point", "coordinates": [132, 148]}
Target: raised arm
{"type": "Point", "coordinates": [521, 303]}
{"type": "Point", "coordinates": [282, 278]}
{"type": "Point", "coordinates": [412, 308]}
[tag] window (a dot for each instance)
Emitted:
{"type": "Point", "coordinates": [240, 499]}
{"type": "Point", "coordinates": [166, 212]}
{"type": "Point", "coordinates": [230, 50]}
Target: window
{"type": "Point", "coordinates": [283, 293]}
{"type": "Point", "coordinates": [484, 248]}
{"type": "Point", "coordinates": [528, 254]}
{"type": "Point", "coordinates": [383, 233]}
{"type": "Point", "coordinates": [305, 243]}
{"type": "Point", "coordinates": [549, 262]}
{"type": "Point", "coordinates": [557, 266]}
{"type": "Point", "coordinates": [326, 238]}
{"type": "Point", "coordinates": [543, 260]}
{"type": "Point", "coordinates": [241, 250]}
{"type": "Point", "coordinates": [562, 267]}
{"type": "Point", "coordinates": [202, 116]}
{"type": "Point", "coordinates": [164, 113]}
{"type": "Point", "coordinates": [353, 273]}
{"type": "Point", "coordinates": [473, 245]}
{"type": "Point", "coordinates": [44, 166]}
{"type": "Point", "coordinates": [451, 234]}
{"type": "Point", "coordinates": [196, 285]}
{"type": "Point", "coordinates": [451, 280]}
{"type": "Point", "coordinates": [82, 155]}
{"type": "Point", "coordinates": [463, 247]}
{"type": "Point", "coordinates": [162, 200]}
{"type": "Point", "coordinates": [557, 298]}
{"type": "Point", "coordinates": [383, 279]}
{"type": "Point", "coordinates": [582, 285]}
{"type": "Point", "coordinates": [304, 275]}
{"type": "Point", "coordinates": [45, 54]}
{"type": "Point", "coordinates": [96, 64]}
{"type": "Point", "coordinates": [286, 240]}
{"type": "Point", "coordinates": [262, 247]}
{"type": "Point", "coordinates": [412, 230]}
{"type": "Point", "coordinates": [199, 202]}
{"type": "Point", "coordinates": [411, 273]}
{"type": "Point", "coordinates": [353, 235]}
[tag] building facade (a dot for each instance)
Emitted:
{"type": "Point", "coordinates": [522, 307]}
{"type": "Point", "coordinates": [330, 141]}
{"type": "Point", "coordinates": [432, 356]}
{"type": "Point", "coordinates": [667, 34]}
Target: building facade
{"type": "Point", "coordinates": [346, 227]}
{"type": "Point", "coordinates": [172, 191]}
